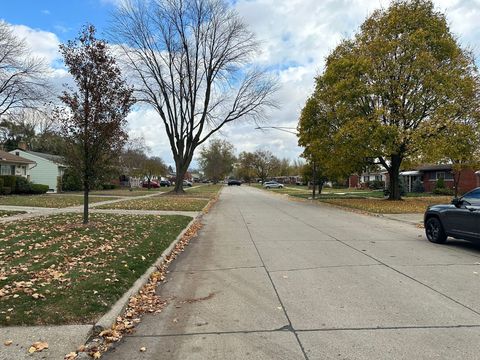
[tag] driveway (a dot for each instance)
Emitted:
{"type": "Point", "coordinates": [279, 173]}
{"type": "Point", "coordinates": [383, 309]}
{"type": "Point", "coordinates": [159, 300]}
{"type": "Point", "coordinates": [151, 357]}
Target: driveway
{"type": "Point", "coordinates": [271, 278]}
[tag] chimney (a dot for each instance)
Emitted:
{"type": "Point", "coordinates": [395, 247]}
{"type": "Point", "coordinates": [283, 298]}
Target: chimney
{"type": "Point", "coordinates": [22, 145]}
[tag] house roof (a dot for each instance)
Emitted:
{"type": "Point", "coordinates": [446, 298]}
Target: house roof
{"type": "Point", "coordinates": [435, 167]}
{"type": "Point", "coordinates": [8, 158]}
{"type": "Point", "coordinates": [54, 158]}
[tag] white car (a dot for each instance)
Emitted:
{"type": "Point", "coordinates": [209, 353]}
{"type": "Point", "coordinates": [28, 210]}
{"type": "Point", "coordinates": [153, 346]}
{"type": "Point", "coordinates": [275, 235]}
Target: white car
{"type": "Point", "coordinates": [272, 185]}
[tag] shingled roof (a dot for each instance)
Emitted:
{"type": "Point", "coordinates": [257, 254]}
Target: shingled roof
{"type": "Point", "coordinates": [7, 158]}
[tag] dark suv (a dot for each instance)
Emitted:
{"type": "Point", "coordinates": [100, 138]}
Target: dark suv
{"type": "Point", "coordinates": [460, 219]}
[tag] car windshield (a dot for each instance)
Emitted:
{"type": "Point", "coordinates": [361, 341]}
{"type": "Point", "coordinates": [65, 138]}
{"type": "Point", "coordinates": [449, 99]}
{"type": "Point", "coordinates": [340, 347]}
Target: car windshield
{"type": "Point", "coordinates": [472, 196]}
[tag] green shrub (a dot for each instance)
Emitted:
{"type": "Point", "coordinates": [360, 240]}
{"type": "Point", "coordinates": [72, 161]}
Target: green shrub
{"type": "Point", "coordinates": [6, 190]}
{"type": "Point", "coordinates": [443, 191]}
{"type": "Point", "coordinates": [9, 181]}
{"type": "Point", "coordinates": [71, 181]}
{"type": "Point", "coordinates": [22, 186]}
{"type": "Point", "coordinates": [108, 186]}
{"type": "Point", "coordinates": [39, 189]}
{"type": "Point", "coordinates": [417, 186]}
{"type": "Point", "coordinates": [376, 185]}
{"type": "Point", "coordinates": [1, 183]}
{"type": "Point", "coordinates": [440, 184]}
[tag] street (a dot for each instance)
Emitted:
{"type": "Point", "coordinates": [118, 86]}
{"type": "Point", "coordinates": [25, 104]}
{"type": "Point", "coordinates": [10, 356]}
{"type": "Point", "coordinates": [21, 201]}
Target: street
{"type": "Point", "coordinates": [272, 278]}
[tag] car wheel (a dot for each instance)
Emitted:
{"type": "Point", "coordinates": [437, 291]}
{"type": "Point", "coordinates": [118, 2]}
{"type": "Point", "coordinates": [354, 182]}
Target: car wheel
{"type": "Point", "coordinates": [267, 187]}
{"type": "Point", "coordinates": [434, 231]}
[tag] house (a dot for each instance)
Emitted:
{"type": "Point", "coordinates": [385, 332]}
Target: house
{"type": "Point", "coordinates": [364, 180]}
{"type": "Point", "coordinates": [47, 170]}
{"type": "Point", "coordinates": [430, 174]}
{"type": "Point", "coordinates": [11, 164]}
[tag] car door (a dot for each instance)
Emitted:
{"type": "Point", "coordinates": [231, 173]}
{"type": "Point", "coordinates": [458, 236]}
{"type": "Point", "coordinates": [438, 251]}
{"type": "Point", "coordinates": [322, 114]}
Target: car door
{"type": "Point", "coordinates": [473, 198]}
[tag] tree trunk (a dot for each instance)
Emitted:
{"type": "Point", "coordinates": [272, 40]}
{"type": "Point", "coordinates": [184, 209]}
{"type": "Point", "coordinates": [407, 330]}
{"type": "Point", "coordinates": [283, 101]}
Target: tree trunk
{"type": "Point", "coordinates": [456, 181]}
{"type": "Point", "coordinates": [314, 176]}
{"type": "Point", "coordinates": [394, 173]}
{"type": "Point", "coordinates": [181, 165]}
{"type": "Point", "coordinates": [85, 201]}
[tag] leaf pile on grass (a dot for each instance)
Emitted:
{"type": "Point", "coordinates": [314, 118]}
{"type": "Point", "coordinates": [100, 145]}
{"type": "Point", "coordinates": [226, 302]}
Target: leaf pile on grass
{"type": "Point", "coordinates": [382, 206]}
{"type": "Point", "coordinates": [145, 302]}
{"type": "Point", "coordinates": [48, 201]}
{"type": "Point", "coordinates": [54, 270]}
{"type": "Point", "coordinates": [7, 213]}
{"type": "Point", "coordinates": [160, 203]}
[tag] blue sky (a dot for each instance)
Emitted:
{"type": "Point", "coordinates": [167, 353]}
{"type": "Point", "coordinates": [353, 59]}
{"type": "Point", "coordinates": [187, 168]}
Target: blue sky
{"type": "Point", "coordinates": [64, 18]}
{"type": "Point", "coordinates": [296, 36]}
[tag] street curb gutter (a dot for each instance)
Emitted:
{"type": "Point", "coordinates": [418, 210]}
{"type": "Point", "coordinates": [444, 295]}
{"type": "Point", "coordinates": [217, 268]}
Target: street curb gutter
{"type": "Point", "coordinates": [107, 320]}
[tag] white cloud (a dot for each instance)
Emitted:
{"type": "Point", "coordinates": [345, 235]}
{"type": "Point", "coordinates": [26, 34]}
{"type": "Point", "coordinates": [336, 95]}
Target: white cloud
{"type": "Point", "coordinates": [43, 44]}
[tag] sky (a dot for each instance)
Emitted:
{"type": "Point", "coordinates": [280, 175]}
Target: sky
{"type": "Point", "coordinates": [295, 37]}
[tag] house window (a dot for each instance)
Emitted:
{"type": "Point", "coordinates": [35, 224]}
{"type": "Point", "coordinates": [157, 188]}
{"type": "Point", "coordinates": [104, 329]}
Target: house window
{"type": "Point", "coordinates": [449, 175]}
{"type": "Point", "coordinates": [366, 178]}
{"type": "Point", "coordinates": [440, 175]}
{"type": "Point", "coordinates": [378, 177]}
{"type": "Point", "coordinates": [7, 169]}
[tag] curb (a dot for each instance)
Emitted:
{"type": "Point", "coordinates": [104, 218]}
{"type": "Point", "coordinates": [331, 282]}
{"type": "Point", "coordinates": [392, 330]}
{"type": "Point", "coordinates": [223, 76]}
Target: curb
{"type": "Point", "coordinates": [107, 320]}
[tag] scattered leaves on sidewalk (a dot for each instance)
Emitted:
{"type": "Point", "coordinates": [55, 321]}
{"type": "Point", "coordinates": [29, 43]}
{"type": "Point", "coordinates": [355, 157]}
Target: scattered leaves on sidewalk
{"type": "Point", "coordinates": [143, 349]}
{"type": "Point", "coordinates": [8, 342]}
{"type": "Point", "coordinates": [37, 347]}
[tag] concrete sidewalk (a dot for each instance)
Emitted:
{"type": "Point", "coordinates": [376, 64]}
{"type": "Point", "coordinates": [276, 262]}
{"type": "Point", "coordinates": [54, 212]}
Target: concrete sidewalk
{"type": "Point", "coordinates": [270, 278]}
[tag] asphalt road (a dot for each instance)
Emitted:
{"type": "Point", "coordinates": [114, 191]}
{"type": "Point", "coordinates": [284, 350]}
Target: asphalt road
{"type": "Point", "coordinates": [271, 278]}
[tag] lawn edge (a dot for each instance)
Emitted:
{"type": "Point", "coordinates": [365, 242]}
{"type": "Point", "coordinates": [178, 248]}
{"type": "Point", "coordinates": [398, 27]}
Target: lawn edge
{"type": "Point", "coordinates": [108, 319]}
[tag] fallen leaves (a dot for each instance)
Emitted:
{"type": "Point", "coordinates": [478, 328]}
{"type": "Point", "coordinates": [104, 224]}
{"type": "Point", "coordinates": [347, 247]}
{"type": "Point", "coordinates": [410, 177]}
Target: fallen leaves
{"type": "Point", "coordinates": [146, 301]}
{"type": "Point", "coordinates": [167, 203]}
{"type": "Point", "coordinates": [8, 342]}
{"type": "Point", "coordinates": [143, 349]}
{"type": "Point", "coordinates": [54, 262]}
{"type": "Point", "coordinates": [382, 206]}
{"type": "Point", "coordinates": [37, 347]}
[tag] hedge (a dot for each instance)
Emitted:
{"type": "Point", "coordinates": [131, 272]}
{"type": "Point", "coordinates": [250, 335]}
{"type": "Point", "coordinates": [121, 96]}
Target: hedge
{"type": "Point", "coordinates": [39, 189]}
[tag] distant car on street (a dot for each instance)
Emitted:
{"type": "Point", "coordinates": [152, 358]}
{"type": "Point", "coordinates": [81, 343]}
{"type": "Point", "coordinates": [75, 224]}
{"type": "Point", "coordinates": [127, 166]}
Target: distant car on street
{"type": "Point", "coordinates": [460, 219]}
{"type": "Point", "coordinates": [187, 183]}
{"type": "Point", "coordinates": [234, 182]}
{"type": "Point", "coordinates": [153, 184]}
{"type": "Point", "coordinates": [165, 183]}
{"type": "Point", "coordinates": [272, 185]}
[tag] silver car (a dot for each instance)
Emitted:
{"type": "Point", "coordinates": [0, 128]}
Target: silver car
{"type": "Point", "coordinates": [272, 185]}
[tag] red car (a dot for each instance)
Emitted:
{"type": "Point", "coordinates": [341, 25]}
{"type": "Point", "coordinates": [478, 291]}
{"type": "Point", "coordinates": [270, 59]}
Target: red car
{"type": "Point", "coordinates": [153, 184]}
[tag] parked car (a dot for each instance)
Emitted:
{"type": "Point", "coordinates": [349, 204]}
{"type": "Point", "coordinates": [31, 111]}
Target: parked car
{"type": "Point", "coordinates": [187, 183]}
{"type": "Point", "coordinates": [460, 219]}
{"type": "Point", "coordinates": [272, 185]}
{"type": "Point", "coordinates": [165, 183]}
{"type": "Point", "coordinates": [153, 184]}
{"type": "Point", "coordinates": [234, 182]}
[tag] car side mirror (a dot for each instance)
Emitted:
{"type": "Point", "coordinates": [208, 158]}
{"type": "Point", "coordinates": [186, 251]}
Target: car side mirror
{"type": "Point", "coordinates": [457, 202]}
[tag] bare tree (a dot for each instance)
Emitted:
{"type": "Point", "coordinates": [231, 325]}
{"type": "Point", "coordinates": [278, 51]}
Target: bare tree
{"type": "Point", "coordinates": [191, 62]}
{"type": "Point", "coordinates": [23, 83]}
{"type": "Point", "coordinates": [94, 119]}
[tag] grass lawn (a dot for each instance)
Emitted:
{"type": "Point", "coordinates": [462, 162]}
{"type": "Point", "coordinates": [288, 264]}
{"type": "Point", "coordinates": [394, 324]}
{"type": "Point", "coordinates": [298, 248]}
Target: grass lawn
{"type": "Point", "coordinates": [127, 192]}
{"type": "Point", "coordinates": [164, 202]}
{"type": "Point", "coordinates": [48, 201]}
{"type": "Point", "coordinates": [408, 205]}
{"type": "Point", "coordinates": [56, 271]}
{"type": "Point", "coordinates": [7, 213]}
{"type": "Point", "coordinates": [203, 191]}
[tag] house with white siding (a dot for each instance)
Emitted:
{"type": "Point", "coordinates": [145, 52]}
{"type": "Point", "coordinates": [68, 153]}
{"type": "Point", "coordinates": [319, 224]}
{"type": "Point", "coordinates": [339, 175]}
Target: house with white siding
{"type": "Point", "coordinates": [11, 164]}
{"type": "Point", "coordinates": [47, 170]}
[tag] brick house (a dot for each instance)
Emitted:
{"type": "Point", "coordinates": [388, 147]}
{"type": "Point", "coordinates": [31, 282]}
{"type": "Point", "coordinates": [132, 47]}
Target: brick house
{"type": "Point", "coordinates": [469, 179]}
